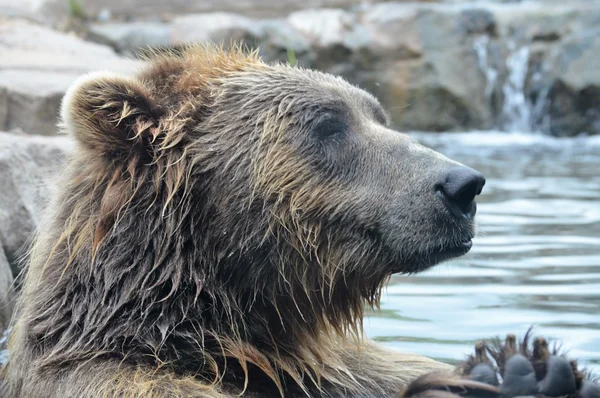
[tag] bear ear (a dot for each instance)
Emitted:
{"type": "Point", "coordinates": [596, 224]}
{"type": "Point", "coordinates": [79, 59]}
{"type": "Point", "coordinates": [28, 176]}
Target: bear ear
{"type": "Point", "coordinates": [111, 115]}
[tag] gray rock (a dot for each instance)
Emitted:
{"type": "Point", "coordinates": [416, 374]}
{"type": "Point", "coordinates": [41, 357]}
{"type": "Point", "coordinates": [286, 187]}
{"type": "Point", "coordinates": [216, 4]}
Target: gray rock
{"type": "Point", "coordinates": [422, 65]}
{"type": "Point", "coordinates": [436, 66]}
{"type": "Point", "coordinates": [279, 34]}
{"type": "Point", "coordinates": [19, 34]}
{"type": "Point", "coordinates": [536, 21]}
{"type": "Point", "coordinates": [6, 291]}
{"type": "Point", "coordinates": [27, 165]}
{"type": "Point", "coordinates": [129, 37]}
{"type": "Point", "coordinates": [218, 27]}
{"type": "Point", "coordinates": [574, 95]}
{"type": "Point", "coordinates": [50, 12]}
{"type": "Point", "coordinates": [478, 21]}
{"type": "Point", "coordinates": [323, 27]}
{"type": "Point", "coordinates": [257, 8]}
{"type": "Point", "coordinates": [32, 99]}
{"type": "Point", "coordinates": [37, 66]}
{"type": "Point", "coordinates": [3, 106]}
{"type": "Point", "coordinates": [393, 30]}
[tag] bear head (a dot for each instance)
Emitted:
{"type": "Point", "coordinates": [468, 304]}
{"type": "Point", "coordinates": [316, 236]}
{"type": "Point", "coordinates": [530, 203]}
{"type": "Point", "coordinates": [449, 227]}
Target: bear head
{"type": "Point", "coordinates": [216, 201]}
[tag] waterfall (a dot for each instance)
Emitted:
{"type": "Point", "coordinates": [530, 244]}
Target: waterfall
{"type": "Point", "coordinates": [491, 74]}
{"type": "Point", "coordinates": [540, 115]}
{"type": "Point", "coordinates": [517, 113]}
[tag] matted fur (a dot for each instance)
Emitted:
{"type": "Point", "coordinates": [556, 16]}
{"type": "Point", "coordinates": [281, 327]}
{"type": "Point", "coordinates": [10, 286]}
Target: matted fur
{"type": "Point", "coordinates": [193, 251]}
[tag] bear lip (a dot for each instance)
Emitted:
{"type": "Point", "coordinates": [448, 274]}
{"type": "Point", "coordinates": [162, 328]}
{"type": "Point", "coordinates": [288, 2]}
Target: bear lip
{"type": "Point", "coordinates": [448, 252]}
{"type": "Point", "coordinates": [424, 261]}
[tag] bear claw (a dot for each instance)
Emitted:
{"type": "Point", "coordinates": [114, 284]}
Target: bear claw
{"type": "Point", "coordinates": [511, 369]}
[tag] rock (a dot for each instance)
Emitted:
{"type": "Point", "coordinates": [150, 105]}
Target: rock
{"type": "Point", "coordinates": [478, 21]}
{"type": "Point", "coordinates": [445, 65]}
{"type": "Point", "coordinates": [417, 59]}
{"type": "Point", "coordinates": [6, 291]}
{"type": "Point", "coordinates": [27, 165]}
{"type": "Point", "coordinates": [544, 38]}
{"type": "Point", "coordinates": [37, 66]}
{"type": "Point", "coordinates": [574, 94]}
{"type": "Point", "coordinates": [3, 106]}
{"type": "Point", "coordinates": [129, 37]}
{"type": "Point", "coordinates": [425, 65]}
{"type": "Point", "coordinates": [32, 99]}
{"type": "Point", "coordinates": [463, 63]}
{"type": "Point", "coordinates": [536, 21]}
{"type": "Point", "coordinates": [257, 8]}
{"type": "Point", "coordinates": [393, 31]}
{"type": "Point", "coordinates": [19, 34]}
{"type": "Point", "coordinates": [218, 27]}
{"type": "Point", "coordinates": [324, 27]}
{"type": "Point", "coordinates": [51, 12]}
{"type": "Point", "coordinates": [275, 36]}
{"type": "Point", "coordinates": [281, 35]}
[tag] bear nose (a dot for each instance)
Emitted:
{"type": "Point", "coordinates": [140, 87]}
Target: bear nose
{"type": "Point", "coordinates": [458, 188]}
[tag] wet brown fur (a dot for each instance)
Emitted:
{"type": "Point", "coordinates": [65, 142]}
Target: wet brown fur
{"type": "Point", "coordinates": [123, 296]}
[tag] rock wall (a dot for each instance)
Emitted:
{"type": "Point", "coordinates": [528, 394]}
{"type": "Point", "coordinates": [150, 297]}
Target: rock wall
{"type": "Point", "coordinates": [6, 292]}
{"type": "Point", "coordinates": [28, 165]}
{"type": "Point", "coordinates": [436, 66]}
{"type": "Point", "coordinates": [37, 65]}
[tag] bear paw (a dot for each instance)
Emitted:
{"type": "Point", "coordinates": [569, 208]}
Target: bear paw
{"type": "Point", "coordinates": [509, 369]}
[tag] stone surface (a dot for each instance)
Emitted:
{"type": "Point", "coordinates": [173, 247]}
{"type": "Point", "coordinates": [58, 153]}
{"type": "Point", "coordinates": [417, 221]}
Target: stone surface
{"type": "Point", "coordinates": [129, 37]}
{"type": "Point", "coordinates": [445, 65]}
{"type": "Point", "coordinates": [436, 66]}
{"type": "Point", "coordinates": [51, 12]}
{"type": "Point", "coordinates": [324, 27]}
{"type": "Point", "coordinates": [417, 59]}
{"type": "Point", "coordinates": [218, 27]}
{"type": "Point", "coordinates": [124, 9]}
{"type": "Point", "coordinates": [27, 167]}
{"type": "Point", "coordinates": [432, 70]}
{"type": "Point", "coordinates": [37, 66]}
{"type": "Point", "coordinates": [574, 80]}
{"type": "Point", "coordinates": [32, 99]}
{"type": "Point", "coordinates": [6, 291]}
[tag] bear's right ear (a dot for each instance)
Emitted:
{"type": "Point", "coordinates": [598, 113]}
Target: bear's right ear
{"type": "Point", "coordinates": [111, 115]}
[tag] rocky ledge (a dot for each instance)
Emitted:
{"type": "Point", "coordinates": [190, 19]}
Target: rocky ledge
{"type": "Point", "coordinates": [436, 66]}
{"type": "Point", "coordinates": [28, 164]}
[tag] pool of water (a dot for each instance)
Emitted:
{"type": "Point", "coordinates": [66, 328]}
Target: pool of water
{"type": "Point", "coordinates": [536, 260]}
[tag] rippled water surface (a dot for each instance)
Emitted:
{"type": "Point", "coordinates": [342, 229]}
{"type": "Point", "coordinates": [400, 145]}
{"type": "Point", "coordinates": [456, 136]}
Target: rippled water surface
{"type": "Point", "coordinates": [536, 260]}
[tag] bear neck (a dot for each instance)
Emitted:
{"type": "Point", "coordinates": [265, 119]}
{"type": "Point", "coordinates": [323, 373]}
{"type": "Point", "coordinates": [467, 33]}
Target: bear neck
{"type": "Point", "coordinates": [196, 304]}
{"type": "Point", "coordinates": [168, 279]}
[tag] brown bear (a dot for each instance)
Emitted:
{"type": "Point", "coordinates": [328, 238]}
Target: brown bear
{"type": "Point", "coordinates": [220, 229]}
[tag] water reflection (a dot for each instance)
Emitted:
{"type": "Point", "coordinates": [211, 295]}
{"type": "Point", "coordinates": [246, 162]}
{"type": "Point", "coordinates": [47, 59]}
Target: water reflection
{"type": "Point", "coordinates": [536, 260]}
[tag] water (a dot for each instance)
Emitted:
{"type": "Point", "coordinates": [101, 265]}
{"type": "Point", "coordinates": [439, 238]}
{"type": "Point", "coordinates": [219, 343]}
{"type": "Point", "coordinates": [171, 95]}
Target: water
{"type": "Point", "coordinates": [517, 113]}
{"type": "Point", "coordinates": [516, 107]}
{"type": "Point", "coordinates": [480, 45]}
{"type": "Point", "coordinates": [536, 260]}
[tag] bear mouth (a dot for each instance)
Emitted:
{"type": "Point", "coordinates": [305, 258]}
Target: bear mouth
{"type": "Point", "coordinates": [422, 261]}
{"type": "Point", "coordinates": [448, 252]}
